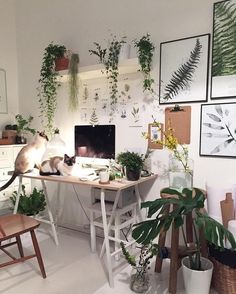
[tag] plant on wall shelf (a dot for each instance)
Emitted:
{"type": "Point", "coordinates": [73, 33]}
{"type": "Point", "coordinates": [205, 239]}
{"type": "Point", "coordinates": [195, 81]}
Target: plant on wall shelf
{"type": "Point", "coordinates": [101, 53]}
{"type": "Point", "coordinates": [73, 81]}
{"type": "Point", "coordinates": [145, 51]}
{"type": "Point", "coordinates": [48, 85]}
{"type": "Point", "coordinates": [110, 58]}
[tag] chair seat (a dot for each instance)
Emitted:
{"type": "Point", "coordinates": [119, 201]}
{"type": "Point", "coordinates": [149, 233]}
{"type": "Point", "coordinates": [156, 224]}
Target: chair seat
{"type": "Point", "coordinates": [16, 224]}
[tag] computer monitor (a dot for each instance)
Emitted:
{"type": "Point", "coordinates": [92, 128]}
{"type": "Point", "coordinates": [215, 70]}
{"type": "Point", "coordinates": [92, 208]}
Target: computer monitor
{"type": "Point", "coordinates": [95, 141]}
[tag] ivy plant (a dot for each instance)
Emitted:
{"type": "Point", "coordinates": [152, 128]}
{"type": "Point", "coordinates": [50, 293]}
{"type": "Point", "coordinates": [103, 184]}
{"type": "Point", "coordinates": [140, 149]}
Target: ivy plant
{"type": "Point", "coordinates": [110, 58]}
{"type": "Point", "coordinates": [145, 51]}
{"type": "Point", "coordinates": [48, 86]}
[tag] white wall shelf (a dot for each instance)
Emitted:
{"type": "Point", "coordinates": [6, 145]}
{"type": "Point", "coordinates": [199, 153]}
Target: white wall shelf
{"type": "Point", "coordinates": [95, 71]}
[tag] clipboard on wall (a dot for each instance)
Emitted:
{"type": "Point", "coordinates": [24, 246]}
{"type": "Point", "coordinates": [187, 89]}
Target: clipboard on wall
{"type": "Point", "coordinates": [179, 119]}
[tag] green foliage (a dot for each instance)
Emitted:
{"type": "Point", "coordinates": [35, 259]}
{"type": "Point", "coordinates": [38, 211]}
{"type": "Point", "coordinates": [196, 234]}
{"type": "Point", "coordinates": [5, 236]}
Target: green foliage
{"type": "Point", "coordinates": [146, 253]}
{"type": "Point", "coordinates": [23, 124]}
{"type": "Point", "coordinates": [48, 85]}
{"type": "Point", "coordinates": [30, 204]}
{"type": "Point", "coordinates": [101, 53]}
{"type": "Point", "coordinates": [224, 42]}
{"type": "Point", "coordinates": [110, 58]}
{"type": "Point", "coordinates": [131, 160]}
{"type": "Point", "coordinates": [73, 82]}
{"type": "Point", "coordinates": [145, 50]}
{"type": "Point", "coordinates": [189, 201]}
{"type": "Point", "coordinates": [183, 76]}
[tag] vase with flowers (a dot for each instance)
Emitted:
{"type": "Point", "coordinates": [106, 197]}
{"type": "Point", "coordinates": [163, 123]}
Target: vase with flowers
{"type": "Point", "coordinates": [180, 164]}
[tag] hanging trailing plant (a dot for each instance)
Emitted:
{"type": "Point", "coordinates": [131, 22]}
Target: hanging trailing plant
{"type": "Point", "coordinates": [73, 82]}
{"type": "Point", "coordinates": [110, 58]}
{"type": "Point", "coordinates": [48, 86]}
{"type": "Point", "coordinates": [145, 51]}
{"type": "Point", "coordinates": [111, 65]}
{"type": "Point", "coordinates": [183, 76]}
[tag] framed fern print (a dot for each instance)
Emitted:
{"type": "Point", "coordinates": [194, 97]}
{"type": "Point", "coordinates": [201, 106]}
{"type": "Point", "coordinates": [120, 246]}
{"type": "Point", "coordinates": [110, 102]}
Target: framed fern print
{"type": "Point", "coordinates": [223, 76]}
{"type": "Point", "coordinates": [184, 70]}
{"type": "Point", "coordinates": [218, 130]}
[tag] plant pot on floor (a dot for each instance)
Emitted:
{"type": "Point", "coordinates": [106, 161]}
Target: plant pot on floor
{"type": "Point", "coordinates": [196, 282]}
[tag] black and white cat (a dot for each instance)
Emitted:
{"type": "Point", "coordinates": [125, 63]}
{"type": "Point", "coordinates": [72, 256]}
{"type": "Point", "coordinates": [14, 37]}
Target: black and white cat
{"type": "Point", "coordinates": [58, 165]}
{"type": "Point", "coordinates": [29, 157]}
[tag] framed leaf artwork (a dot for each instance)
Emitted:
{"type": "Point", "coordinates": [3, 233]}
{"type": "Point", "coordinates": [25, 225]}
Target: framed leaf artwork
{"type": "Point", "coordinates": [218, 130]}
{"type": "Point", "coordinates": [184, 68]}
{"type": "Point", "coordinates": [223, 73]}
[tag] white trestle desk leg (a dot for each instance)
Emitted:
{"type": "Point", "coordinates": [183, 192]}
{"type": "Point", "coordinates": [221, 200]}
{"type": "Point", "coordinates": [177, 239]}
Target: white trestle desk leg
{"type": "Point", "coordinates": [106, 239]}
{"type": "Point", "coordinates": [18, 195]}
{"type": "Point", "coordinates": [111, 217]}
{"type": "Point", "coordinates": [138, 197]}
{"type": "Point", "coordinates": [50, 213]}
{"type": "Point", "coordinates": [58, 203]}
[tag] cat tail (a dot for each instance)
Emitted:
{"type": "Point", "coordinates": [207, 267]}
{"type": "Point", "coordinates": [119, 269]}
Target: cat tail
{"type": "Point", "coordinates": [48, 174]}
{"type": "Point", "coordinates": [12, 179]}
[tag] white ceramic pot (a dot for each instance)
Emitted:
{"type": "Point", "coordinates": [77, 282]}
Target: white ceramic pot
{"type": "Point", "coordinates": [196, 282]}
{"type": "Point", "coordinates": [104, 177]}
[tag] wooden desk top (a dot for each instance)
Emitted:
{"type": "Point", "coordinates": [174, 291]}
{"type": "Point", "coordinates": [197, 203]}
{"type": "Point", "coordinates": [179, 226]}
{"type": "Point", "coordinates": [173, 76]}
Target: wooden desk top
{"type": "Point", "coordinates": [113, 185]}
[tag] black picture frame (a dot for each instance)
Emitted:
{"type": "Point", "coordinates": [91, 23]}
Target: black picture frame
{"type": "Point", "coordinates": [218, 130]}
{"type": "Point", "coordinates": [184, 70]}
{"type": "Point", "coordinates": [223, 69]}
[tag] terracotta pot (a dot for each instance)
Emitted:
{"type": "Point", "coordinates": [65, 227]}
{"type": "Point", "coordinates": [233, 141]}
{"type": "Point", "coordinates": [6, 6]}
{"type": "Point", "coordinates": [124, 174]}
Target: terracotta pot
{"type": "Point", "coordinates": [61, 63]}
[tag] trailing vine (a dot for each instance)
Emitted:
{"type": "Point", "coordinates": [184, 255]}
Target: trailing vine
{"type": "Point", "coordinates": [183, 76]}
{"type": "Point", "coordinates": [110, 58]}
{"type": "Point", "coordinates": [48, 86]}
{"type": "Point", "coordinates": [145, 51]}
{"type": "Point", "coordinates": [73, 82]}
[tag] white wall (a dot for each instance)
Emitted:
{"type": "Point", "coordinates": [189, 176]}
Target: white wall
{"type": "Point", "coordinates": [8, 58]}
{"type": "Point", "coordinates": [77, 24]}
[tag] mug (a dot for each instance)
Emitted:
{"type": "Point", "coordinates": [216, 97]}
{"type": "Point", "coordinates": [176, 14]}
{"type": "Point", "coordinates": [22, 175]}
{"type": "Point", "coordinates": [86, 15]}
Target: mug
{"type": "Point", "coordinates": [104, 176]}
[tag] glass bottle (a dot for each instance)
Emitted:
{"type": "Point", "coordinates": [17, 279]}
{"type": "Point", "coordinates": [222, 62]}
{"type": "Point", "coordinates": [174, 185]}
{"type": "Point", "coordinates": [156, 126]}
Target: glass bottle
{"type": "Point", "coordinates": [55, 147]}
{"type": "Point", "coordinates": [180, 175]}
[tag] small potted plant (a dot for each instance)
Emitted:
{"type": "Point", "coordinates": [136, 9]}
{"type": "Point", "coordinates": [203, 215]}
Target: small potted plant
{"type": "Point", "coordinates": [145, 51]}
{"type": "Point", "coordinates": [30, 204]}
{"type": "Point", "coordinates": [139, 281]}
{"type": "Point", "coordinates": [133, 164]}
{"type": "Point", "coordinates": [189, 201]}
{"type": "Point", "coordinates": [22, 128]}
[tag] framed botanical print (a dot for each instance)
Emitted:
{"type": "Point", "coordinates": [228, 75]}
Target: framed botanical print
{"type": "Point", "coordinates": [184, 70]}
{"type": "Point", "coordinates": [223, 73]}
{"type": "Point", "coordinates": [218, 130]}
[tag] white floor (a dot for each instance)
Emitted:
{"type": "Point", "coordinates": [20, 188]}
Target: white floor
{"type": "Point", "coordinates": [71, 269]}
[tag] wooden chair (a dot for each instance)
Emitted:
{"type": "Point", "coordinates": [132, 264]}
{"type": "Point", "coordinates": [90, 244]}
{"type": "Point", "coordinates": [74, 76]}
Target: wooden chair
{"type": "Point", "coordinates": [13, 226]}
{"type": "Point", "coordinates": [177, 252]}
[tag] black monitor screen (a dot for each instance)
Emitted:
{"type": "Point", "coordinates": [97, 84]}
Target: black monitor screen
{"type": "Point", "coordinates": [95, 141]}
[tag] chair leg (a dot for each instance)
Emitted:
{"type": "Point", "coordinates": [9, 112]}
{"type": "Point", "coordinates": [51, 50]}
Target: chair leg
{"type": "Point", "coordinates": [174, 259]}
{"type": "Point", "coordinates": [38, 254]}
{"type": "Point", "coordinates": [19, 244]}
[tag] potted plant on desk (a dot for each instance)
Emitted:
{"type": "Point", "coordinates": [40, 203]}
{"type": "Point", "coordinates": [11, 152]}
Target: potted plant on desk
{"type": "Point", "coordinates": [189, 201]}
{"type": "Point", "coordinates": [132, 162]}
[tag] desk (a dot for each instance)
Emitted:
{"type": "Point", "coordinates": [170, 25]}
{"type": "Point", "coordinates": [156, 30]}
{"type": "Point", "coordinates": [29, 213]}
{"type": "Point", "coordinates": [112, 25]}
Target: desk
{"type": "Point", "coordinates": [113, 185]}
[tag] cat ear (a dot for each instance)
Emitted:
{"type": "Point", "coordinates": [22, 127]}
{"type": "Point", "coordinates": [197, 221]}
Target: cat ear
{"type": "Point", "coordinates": [66, 156]}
